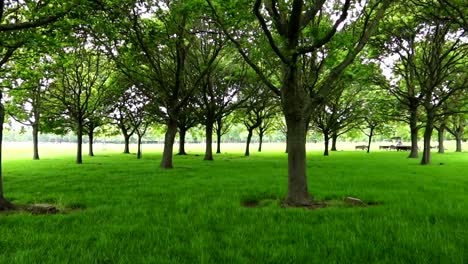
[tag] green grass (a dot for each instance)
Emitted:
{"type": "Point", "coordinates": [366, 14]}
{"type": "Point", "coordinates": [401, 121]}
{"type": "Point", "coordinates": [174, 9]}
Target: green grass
{"type": "Point", "coordinates": [134, 212]}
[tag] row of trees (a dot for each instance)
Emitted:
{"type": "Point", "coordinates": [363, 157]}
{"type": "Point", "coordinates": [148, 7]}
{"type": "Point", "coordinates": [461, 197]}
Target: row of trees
{"type": "Point", "coordinates": [331, 67]}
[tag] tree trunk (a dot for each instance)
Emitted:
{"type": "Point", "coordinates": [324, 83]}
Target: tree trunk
{"type": "Point", "coordinates": [182, 133]}
{"type": "Point", "coordinates": [440, 136]}
{"type": "Point", "coordinates": [414, 134]}
{"type": "Point", "coordinates": [127, 144]}
{"type": "Point", "coordinates": [286, 149]}
{"type": "Point", "coordinates": [91, 142]}
{"type": "Point", "coordinates": [139, 147]}
{"type": "Point", "coordinates": [249, 138]}
{"type": "Point", "coordinates": [326, 138]}
{"type": "Point", "coordinates": [458, 139]}
{"type": "Point", "coordinates": [293, 101]}
{"type": "Point", "coordinates": [426, 159]}
{"type": "Point", "coordinates": [166, 162]}
{"type": "Point", "coordinates": [209, 140]}
{"type": "Point", "coordinates": [4, 203]}
{"type": "Point", "coordinates": [298, 194]}
{"type": "Point", "coordinates": [371, 133]}
{"type": "Point", "coordinates": [334, 139]}
{"type": "Point", "coordinates": [219, 130]}
{"type": "Point", "coordinates": [260, 141]}
{"type": "Point", "coordinates": [35, 135]}
{"type": "Point", "coordinates": [218, 142]}
{"type": "Point", "coordinates": [79, 142]}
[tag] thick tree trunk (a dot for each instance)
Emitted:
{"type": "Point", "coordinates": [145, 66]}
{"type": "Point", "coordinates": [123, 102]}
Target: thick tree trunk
{"type": "Point", "coordinates": [440, 136]}
{"type": "Point", "coordinates": [139, 147]}
{"type": "Point", "coordinates": [371, 133]}
{"type": "Point", "coordinates": [334, 139]}
{"type": "Point", "coordinates": [79, 143]}
{"type": "Point", "coordinates": [182, 133]}
{"type": "Point", "coordinates": [286, 149]}
{"type": "Point", "coordinates": [91, 143]}
{"type": "Point", "coordinates": [426, 159]}
{"type": "Point", "coordinates": [4, 203]}
{"type": "Point", "coordinates": [249, 138]}
{"type": "Point", "coordinates": [166, 162]}
{"type": "Point", "coordinates": [35, 135]}
{"type": "Point", "coordinates": [127, 144]}
{"type": "Point", "coordinates": [414, 135]}
{"type": "Point", "coordinates": [326, 139]}
{"type": "Point", "coordinates": [209, 140]}
{"type": "Point", "coordinates": [260, 142]}
{"type": "Point", "coordinates": [298, 194]}
{"type": "Point", "coordinates": [293, 100]}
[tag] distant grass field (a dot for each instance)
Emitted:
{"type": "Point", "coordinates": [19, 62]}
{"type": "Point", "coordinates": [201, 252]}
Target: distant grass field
{"type": "Point", "coordinates": [131, 211]}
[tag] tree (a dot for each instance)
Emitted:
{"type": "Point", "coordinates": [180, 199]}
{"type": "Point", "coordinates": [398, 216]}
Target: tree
{"type": "Point", "coordinates": [81, 86]}
{"type": "Point", "coordinates": [188, 118]}
{"type": "Point", "coordinates": [293, 30]}
{"type": "Point", "coordinates": [151, 43]}
{"type": "Point", "coordinates": [17, 24]}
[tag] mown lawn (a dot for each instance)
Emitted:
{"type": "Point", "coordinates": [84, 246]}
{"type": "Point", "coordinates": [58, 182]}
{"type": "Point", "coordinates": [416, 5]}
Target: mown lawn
{"type": "Point", "coordinates": [133, 212]}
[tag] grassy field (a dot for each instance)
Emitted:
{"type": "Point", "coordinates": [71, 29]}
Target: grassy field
{"type": "Point", "coordinates": [130, 211]}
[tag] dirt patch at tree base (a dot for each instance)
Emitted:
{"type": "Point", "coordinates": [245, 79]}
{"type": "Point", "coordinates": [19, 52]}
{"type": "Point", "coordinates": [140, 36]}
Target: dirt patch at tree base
{"type": "Point", "coordinates": [41, 209]}
{"type": "Point", "coordinates": [347, 202]}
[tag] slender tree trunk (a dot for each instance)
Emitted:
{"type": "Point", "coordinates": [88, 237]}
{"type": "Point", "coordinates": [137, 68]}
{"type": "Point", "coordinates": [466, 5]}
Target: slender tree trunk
{"type": "Point", "coordinates": [127, 144]}
{"type": "Point", "coordinates": [414, 134]}
{"type": "Point", "coordinates": [440, 136]}
{"type": "Point", "coordinates": [426, 159]}
{"type": "Point", "coordinates": [334, 139]}
{"type": "Point", "coordinates": [166, 162]}
{"type": "Point", "coordinates": [91, 143]}
{"type": "Point", "coordinates": [260, 141]}
{"type": "Point", "coordinates": [79, 142]}
{"type": "Point", "coordinates": [219, 130]}
{"type": "Point", "coordinates": [371, 133]}
{"type": "Point", "coordinates": [218, 142]}
{"type": "Point", "coordinates": [182, 133]}
{"type": "Point", "coordinates": [35, 135]}
{"type": "Point", "coordinates": [326, 138]}
{"type": "Point", "coordinates": [458, 139]}
{"type": "Point", "coordinates": [139, 147]}
{"type": "Point", "coordinates": [249, 138]}
{"type": "Point", "coordinates": [4, 203]}
{"type": "Point", "coordinates": [209, 140]}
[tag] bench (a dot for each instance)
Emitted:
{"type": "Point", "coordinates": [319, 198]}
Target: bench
{"type": "Point", "coordinates": [403, 148]}
{"type": "Point", "coordinates": [361, 147]}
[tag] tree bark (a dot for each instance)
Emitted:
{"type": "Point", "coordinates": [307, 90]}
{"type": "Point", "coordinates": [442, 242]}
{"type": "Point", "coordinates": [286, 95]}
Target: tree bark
{"type": "Point", "coordinates": [293, 101]}
{"type": "Point", "coordinates": [166, 162]}
{"type": "Point", "coordinates": [35, 135]}
{"type": "Point", "coordinates": [260, 141]}
{"type": "Point", "coordinates": [209, 140]}
{"type": "Point", "coordinates": [414, 134]}
{"type": "Point", "coordinates": [426, 159]}
{"type": "Point", "coordinates": [326, 138]}
{"type": "Point", "coordinates": [334, 139]}
{"type": "Point", "coordinates": [458, 139]}
{"type": "Point", "coordinates": [219, 131]}
{"type": "Point", "coordinates": [127, 144]}
{"type": "Point", "coordinates": [139, 147]}
{"type": "Point", "coordinates": [247, 147]}
{"type": "Point", "coordinates": [79, 142]}
{"type": "Point", "coordinates": [4, 203]}
{"type": "Point", "coordinates": [182, 133]}
{"type": "Point", "coordinates": [91, 142]}
{"type": "Point", "coordinates": [371, 133]}
{"type": "Point", "coordinates": [440, 136]}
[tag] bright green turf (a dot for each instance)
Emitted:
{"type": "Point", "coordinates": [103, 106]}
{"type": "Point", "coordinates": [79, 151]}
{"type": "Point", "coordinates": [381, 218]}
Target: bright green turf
{"type": "Point", "coordinates": [137, 213]}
